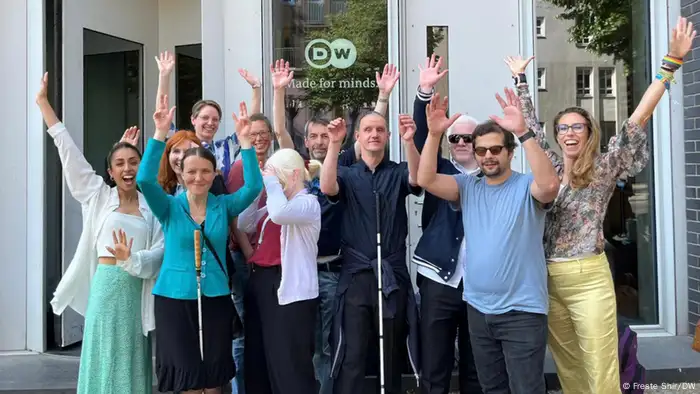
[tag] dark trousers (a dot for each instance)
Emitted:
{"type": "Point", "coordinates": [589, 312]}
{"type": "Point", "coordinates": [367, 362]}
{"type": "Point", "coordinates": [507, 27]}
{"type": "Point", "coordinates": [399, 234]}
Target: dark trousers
{"type": "Point", "coordinates": [360, 331]}
{"type": "Point", "coordinates": [279, 339]}
{"type": "Point", "coordinates": [443, 315]}
{"type": "Point", "coordinates": [509, 351]}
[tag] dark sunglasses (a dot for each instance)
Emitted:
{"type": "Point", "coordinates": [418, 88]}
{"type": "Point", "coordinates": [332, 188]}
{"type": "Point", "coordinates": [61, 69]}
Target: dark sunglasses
{"type": "Point", "coordinates": [495, 150]}
{"type": "Point", "coordinates": [578, 128]}
{"type": "Point", "coordinates": [454, 138]}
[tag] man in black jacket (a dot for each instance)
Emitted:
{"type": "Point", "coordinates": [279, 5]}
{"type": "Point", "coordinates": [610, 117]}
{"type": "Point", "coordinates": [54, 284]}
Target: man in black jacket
{"type": "Point", "coordinates": [439, 256]}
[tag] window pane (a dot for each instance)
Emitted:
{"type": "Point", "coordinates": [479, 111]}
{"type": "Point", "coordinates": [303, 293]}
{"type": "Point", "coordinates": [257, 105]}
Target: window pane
{"type": "Point", "coordinates": [188, 82]}
{"type": "Point", "coordinates": [605, 68]}
{"type": "Point", "coordinates": [438, 39]}
{"type": "Point", "coordinates": [334, 47]}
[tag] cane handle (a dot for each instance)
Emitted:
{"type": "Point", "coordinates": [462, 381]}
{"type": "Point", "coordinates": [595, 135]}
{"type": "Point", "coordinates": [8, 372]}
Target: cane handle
{"type": "Point", "coordinates": [197, 251]}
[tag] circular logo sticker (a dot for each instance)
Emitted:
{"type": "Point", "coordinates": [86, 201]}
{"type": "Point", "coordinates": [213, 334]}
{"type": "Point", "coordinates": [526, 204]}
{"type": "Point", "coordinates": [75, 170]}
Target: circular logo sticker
{"type": "Point", "coordinates": [340, 53]}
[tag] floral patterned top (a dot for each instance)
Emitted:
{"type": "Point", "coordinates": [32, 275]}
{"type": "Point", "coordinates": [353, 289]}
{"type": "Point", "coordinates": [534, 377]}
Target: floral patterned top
{"type": "Point", "coordinates": [574, 225]}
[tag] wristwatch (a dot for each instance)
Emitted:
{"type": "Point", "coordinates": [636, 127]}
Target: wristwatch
{"type": "Point", "coordinates": [526, 136]}
{"type": "Point", "coordinates": [520, 78]}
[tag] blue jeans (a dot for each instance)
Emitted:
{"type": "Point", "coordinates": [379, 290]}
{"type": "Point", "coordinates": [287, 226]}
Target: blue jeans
{"type": "Point", "coordinates": [327, 285]}
{"type": "Point", "coordinates": [240, 282]}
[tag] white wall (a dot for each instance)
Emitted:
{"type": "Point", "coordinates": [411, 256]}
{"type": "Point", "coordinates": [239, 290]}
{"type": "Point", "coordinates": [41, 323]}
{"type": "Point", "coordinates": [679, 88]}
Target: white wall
{"type": "Point", "coordinates": [241, 47]}
{"type": "Point", "coordinates": [179, 23]}
{"type": "Point", "coordinates": [21, 238]}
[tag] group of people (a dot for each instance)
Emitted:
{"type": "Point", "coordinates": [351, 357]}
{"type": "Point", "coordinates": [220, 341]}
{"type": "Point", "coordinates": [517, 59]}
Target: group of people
{"type": "Point", "coordinates": [508, 262]}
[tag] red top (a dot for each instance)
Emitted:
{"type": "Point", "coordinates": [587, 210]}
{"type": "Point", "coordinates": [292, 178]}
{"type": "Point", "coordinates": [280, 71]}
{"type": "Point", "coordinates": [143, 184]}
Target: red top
{"type": "Point", "coordinates": [269, 252]}
{"type": "Point", "coordinates": [233, 183]}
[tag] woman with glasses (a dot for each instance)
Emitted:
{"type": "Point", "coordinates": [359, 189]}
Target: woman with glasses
{"type": "Point", "coordinates": [582, 306]}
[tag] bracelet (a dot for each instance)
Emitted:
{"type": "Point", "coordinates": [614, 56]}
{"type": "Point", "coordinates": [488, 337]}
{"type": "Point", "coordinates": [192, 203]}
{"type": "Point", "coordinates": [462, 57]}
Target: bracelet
{"type": "Point", "coordinates": [520, 78]}
{"type": "Point", "coordinates": [666, 77]}
{"type": "Point", "coordinates": [382, 100]}
{"type": "Point", "coordinates": [671, 63]}
{"type": "Point", "coordinates": [526, 136]}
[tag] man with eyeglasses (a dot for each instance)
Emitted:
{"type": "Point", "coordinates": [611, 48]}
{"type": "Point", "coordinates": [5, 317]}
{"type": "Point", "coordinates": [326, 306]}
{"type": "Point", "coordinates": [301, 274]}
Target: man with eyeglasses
{"type": "Point", "coordinates": [505, 277]}
{"type": "Point", "coordinates": [439, 255]}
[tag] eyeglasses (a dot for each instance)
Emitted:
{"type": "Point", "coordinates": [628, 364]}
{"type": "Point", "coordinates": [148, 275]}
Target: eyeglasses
{"type": "Point", "coordinates": [454, 138]}
{"type": "Point", "coordinates": [578, 128]}
{"type": "Point", "coordinates": [495, 150]}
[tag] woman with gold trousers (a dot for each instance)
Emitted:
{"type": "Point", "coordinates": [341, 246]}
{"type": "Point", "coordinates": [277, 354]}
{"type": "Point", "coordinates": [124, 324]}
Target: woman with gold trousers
{"type": "Point", "coordinates": [582, 307]}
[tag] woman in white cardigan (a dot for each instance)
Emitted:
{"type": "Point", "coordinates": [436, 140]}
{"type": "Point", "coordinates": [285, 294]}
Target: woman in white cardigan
{"type": "Point", "coordinates": [281, 298]}
{"type": "Point", "coordinates": [111, 276]}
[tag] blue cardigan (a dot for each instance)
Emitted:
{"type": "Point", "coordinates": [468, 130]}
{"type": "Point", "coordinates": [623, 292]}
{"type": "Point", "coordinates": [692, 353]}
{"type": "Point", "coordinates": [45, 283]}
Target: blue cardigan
{"type": "Point", "coordinates": [177, 278]}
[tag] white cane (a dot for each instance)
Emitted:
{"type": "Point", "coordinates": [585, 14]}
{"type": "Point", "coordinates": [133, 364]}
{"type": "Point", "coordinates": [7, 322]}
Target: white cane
{"type": "Point", "coordinates": [198, 268]}
{"type": "Point", "coordinates": [380, 296]}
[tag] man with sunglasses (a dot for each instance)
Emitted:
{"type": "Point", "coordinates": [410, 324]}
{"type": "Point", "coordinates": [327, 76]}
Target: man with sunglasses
{"type": "Point", "coordinates": [505, 277]}
{"type": "Point", "coordinates": [440, 253]}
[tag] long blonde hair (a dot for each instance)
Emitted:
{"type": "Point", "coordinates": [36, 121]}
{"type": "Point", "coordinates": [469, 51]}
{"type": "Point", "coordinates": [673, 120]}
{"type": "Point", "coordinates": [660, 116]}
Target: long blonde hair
{"type": "Point", "coordinates": [286, 161]}
{"type": "Point", "coordinates": [583, 169]}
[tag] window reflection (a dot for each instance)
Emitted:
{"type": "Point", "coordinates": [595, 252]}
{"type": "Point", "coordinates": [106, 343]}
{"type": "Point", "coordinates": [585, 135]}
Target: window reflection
{"type": "Point", "coordinates": [335, 47]}
{"type": "Point", "coordinates": [605, 68]}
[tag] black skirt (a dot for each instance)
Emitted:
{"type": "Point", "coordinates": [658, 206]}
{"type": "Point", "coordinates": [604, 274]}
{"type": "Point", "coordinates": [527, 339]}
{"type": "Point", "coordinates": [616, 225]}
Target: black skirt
{"type": "Point", "coordinates": [179, 366]}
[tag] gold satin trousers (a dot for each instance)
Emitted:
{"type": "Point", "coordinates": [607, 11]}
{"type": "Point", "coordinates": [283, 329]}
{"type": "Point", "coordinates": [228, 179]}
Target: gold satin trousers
{"type": "Point", "coordinates": [583, 325]}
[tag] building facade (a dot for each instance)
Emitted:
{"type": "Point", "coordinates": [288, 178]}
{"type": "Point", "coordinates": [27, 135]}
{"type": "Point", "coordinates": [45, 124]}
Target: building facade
{"type": "Point", "coordinates": [99, 54]}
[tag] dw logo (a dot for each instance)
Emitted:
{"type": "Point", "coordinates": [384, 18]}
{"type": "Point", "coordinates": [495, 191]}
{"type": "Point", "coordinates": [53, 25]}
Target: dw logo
{"type": "Point", "coordinates": [340, 53]}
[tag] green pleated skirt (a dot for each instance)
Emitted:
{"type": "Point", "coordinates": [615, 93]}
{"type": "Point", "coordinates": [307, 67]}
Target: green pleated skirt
{"type": "Point", "coordinates": [116, 356]}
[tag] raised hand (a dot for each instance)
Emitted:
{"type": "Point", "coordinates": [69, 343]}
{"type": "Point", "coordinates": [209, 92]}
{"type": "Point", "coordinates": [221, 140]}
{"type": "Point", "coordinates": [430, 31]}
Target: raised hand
{"type": "Point", "coordinates": [131, 136]}
{"type": "Point", "coordinates": [252, 80]}
{"type": "Point", "coordinates": [681, 38]}
{"type": "Point", "coordinates": [517, 64]}
{"type": "Point", "coordinates": [242, 122]}
{"type": "Point", "coordinates": [122, 248]}
{"type": "Point", "coordinates": [268, 171]}
{"type": "Point", "coordinates": [407, 128]}
{"type": "Point", "coordinates": [431, 74]}
{"type": "Point", "coordinates": [387, 79]}
{"type": "Point", "coordinates": [510, 101]}
{"type": "Point", "coordinates": [512, 119]}
{"type": "Point", "coordinates": [436, 113]}
{"type": "Point", "coordinates": [337, 130]}
{"type": "Point", "coordinates": [281, 75]}
{"type": "Point", "coordinates": [163, 117]}
{"type": "Point", "coordinates": [166, 63]}
{"type": "Point", "coordinates": [43, 89]}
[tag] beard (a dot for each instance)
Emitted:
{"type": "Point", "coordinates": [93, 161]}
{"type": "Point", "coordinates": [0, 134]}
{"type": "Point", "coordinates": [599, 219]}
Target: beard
{"type": "Point", "coordinates": [491, 168]}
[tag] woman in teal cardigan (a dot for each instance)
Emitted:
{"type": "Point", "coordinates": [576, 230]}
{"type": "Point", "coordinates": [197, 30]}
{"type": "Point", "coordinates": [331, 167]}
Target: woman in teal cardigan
{"type": "Point", "coordinates": [179, 365]}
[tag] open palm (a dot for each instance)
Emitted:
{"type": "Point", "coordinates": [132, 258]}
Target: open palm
{"type": "Point", "coordinates": [281, 75]}
{"type": "Point", "coordinates": [512, 120]}
{"type": "Point", "coordinates": [436, 113]}
{"type": "Point", "coordinates": [682, 38]}
{"type": "Point", "coordinates": [166, 63]}
{"type": "Point", "coordinates": [431, 74]}
{"type": "Point", "coordinates": [387, 80]}
{"type": "Point", "coordinates": [122, 247]}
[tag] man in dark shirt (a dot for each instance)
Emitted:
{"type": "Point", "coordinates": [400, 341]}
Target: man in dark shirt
{"type": "Point", "coordinates": [371, 181]}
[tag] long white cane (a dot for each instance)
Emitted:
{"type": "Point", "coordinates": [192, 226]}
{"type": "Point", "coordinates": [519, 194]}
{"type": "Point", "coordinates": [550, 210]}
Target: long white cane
{"type": "Point", "coordinates": [380, 295]}
{"type": "Point", "coordinates": [198, 268]}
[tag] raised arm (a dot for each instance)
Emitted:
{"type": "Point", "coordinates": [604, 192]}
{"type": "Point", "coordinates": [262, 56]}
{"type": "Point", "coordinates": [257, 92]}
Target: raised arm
{"type": "Point", "coordinates": [545, 185]}
{"type": "Point", "coordinates": [681, 41]}
{"type": "Point", "coordinates": [443, 186]}
{"type": "Point", "coordinates": [429, 76]}
{"type": "Point", "coordinates": [517, 66]}
{"type": "Point", "coordinates": [254, 82]}
{"type": "Point", "coordinates": [385, 83]}
{"type": "Point", "coordinates": [81, 178]}
{"type": "Point", "coordinates": [252, 179]}
{"type": "Point", "coordinates": [407, 129]}
{"type": "Point", "coordinates": [329, 172]}
{"type": "Point", "coordinates": [166, 64]}
{"type": "Point", "coordinates": [287, 212]}
{"type": "Point", "coordinates": [147, 177]}
{"type": "Point", "coordinates": [281, 77]}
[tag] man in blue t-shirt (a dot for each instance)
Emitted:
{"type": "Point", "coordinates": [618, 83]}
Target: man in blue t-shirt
{"type": "Point", "coordinates": [505, 277]}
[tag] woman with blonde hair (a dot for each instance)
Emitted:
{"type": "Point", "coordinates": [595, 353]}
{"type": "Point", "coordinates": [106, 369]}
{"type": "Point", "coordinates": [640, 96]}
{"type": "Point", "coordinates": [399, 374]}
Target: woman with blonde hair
{"type": "Point", "coordinates": [282, 293]}
{"type": "Point", "coordinates": [582, 307]}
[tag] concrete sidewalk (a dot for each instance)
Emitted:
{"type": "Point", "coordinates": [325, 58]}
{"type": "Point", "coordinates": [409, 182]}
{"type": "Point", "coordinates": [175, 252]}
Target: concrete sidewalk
{"type": "Point", "coordinates": [667, 360]}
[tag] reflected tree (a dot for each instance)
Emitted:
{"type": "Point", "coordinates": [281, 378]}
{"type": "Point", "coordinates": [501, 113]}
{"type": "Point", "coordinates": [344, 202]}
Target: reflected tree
{"type": "Point", "coordinates": [606, 24]}
{"type": "Point", "coordinates": [364, 23]}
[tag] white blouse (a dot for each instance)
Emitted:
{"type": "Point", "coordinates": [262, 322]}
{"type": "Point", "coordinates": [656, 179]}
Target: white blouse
{"type": "Point", "coordinates": [300, 219]}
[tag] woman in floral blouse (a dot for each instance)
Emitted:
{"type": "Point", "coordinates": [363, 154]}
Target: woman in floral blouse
{"type": "Point", "coordinates": [582, 311]}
